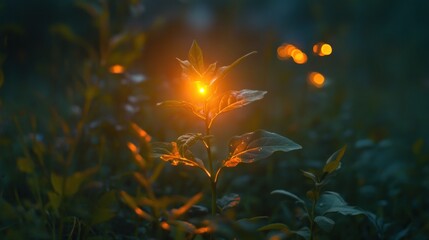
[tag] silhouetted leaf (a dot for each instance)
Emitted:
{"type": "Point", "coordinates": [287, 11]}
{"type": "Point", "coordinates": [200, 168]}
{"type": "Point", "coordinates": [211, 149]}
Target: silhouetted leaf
{"type": "Point", "coordinates": [169, 152]}
{"type": "Point", "coordinates": [324, 223]}
{"type": "Point", "coordinates": [189, 72]}
{"type": "Point", "coordinates": [228, 201]}
{"type": "Point", "coordinates": [195, 57]}
{"type": "Point", "coordinates": [181, 105]}
{"type": "Point", "coordinates": [333, 162]}
{"type": "Point", "coordinates": [254, 146]}
{"type": "Point", "coordinates": [289, 194]}
{"type": "Point", "coordinates": [231, 100]}
{"type": "Point", "coordinates": [223, 71]}
{"type": "Point", "coordinates": [275, 226]}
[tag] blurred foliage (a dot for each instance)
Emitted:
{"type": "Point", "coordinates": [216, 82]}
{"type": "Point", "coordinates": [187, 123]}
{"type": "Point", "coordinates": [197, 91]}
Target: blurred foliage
{"type": "Point", "coordinates": [74, 75]}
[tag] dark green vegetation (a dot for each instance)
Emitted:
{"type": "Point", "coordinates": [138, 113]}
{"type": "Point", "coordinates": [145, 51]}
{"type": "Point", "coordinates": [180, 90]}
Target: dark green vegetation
{"type": "Point", "coordinates": [80, 128]}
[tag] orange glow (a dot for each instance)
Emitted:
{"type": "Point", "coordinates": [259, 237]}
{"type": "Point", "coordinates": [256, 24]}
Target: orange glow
{"type": "Point", "coordinates": [285, 51]}
{"type": "Point", "coordinates": [142, 133]}
{"type": "Point", "coordinates": [203, 230]}
{"type": "Point", "coordinates": [316, 79]}
{"type": "Point", "coordinates": [165, 226]}
{"type": "Point", "coordinates": [117, 69]}
{"type": "Point", "coordinates": [201, 87]}
{"type": "Point", "coordinates": [133, 148]}
{"type": "Point", "coordinates": [322, 49]}
{"type": "Point", "coordinates": [326, 49]}
{"type": "Point", "coordinates": [299, 57]}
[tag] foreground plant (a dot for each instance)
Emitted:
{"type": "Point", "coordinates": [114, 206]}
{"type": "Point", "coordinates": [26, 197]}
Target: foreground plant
{"type": "Point", "coordinates": [247, 148]}
{"type": "Point", "coordinates": [318, 210]}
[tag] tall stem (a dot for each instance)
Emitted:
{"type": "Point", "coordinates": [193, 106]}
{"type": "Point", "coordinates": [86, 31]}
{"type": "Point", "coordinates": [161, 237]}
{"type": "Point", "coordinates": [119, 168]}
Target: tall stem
{"type": "Point", "coordinates": [209, 156]}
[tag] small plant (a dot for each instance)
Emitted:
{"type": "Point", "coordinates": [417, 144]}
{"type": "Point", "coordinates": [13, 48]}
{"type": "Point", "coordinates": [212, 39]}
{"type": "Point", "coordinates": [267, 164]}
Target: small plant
{"type": "Point", "coordinates": [321, 205]}
{"type": "Point", "coordinates": [247, 148]}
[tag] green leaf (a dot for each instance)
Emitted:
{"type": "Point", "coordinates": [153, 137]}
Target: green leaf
{"type": "Point", "coordinates": [310, 176]}
{"type": "Point", "coordinates": [289, 194]}
{"type": "Point", "coordinates": [333, 162]}
{"type": "Point", "coordinates": [57, 183]}
{"type": "Point", "coordinates": [304, 232]}
{"type": "Point", "coordinates": [104, 208]}
{"type": "Point", "coordinates": [275, 226]}
{"type": "Point", "coordinates": [25, 165]}
{"type": "Point", "coordinates": [228, 201]}
{"type": "Point", "coordinates": [231, 100]}
{"type": "Point", "coordinates": [329, 200]}
{"type": "Point", "coordinates": [195, 57]}
{"type": "Point", "coordinates": [181, 105]}
{"type": "Point", "coordinates": [74, 181]}
{"type": "Point", "coordinates": [223, 71]}
{"type": "Point", "coordinates": [255, 146]}
{"type": "Point", "coordinates": [346, 210]}
{"type": "Point", "coordinates": [325, 223]}
{"type": "Point", "coordinates": [54, 200]}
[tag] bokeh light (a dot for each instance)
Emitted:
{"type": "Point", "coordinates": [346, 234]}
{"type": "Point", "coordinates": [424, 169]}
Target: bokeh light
{"type": "Point", "coordinates": [299, 57]}
{"type": "Point", "coordinates": [316, 79]}
{"type": "Point", "coordinates": [322, 49]}
{"type": "Point", "coordinates": [117, 69]}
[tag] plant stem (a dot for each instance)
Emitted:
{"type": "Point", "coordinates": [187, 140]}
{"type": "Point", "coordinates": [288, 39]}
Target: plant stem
{"type": "Point", "coordinates": [212, 173]}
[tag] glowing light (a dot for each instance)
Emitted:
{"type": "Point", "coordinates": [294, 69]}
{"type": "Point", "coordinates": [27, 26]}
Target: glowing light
{"type": "Point", "coordinates": [299, 57]}
{"type": "Point", "coordinates": [326, 49]}
{"type": "Point", "coordinates": [142, 133]}
{"type": "Point", "coordinates": [133, 148]}
{"type": "Point", "coordinates": [117, 69]}
{"type": "Point", "coordinates": [165, 226]}
{"type": "Point", "coordinates": [203, 230]}
{"type": "Point", "coordinates": [285, 51]}
{"type": "Point", "coordinates": [316, 79]}
{"type": "Point", "coordinates": [201, 87]}
{"type": "Point", "coordinates": [322, 49]}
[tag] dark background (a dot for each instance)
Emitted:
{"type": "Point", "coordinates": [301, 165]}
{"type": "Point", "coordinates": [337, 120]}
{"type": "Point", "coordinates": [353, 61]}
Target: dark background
{"type": "Point", "coordinates": [375, 99]}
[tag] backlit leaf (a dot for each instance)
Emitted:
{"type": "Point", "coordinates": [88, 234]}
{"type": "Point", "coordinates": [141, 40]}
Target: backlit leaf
{"type": "Point", "coordinates": [169, 152]}
{"type": "Point", "coordinates": [289, 194]}
{"type": "Point", "coordinates": [324, 223]}
{"type": "Point", "coordinates": [346, 210]}
{"type": "Point", "coordinates": [231, 100]}
{"type": "Point", "coordinates": [195, 57]}
{"type": "Point", "coordinates": [333, 162]}
{"type": "Point", "coordinates": [189, 72]}
{"type": "Point", "coordinates": [228, 201]}
{"type": "Point", "coordinates": [255, 146]}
